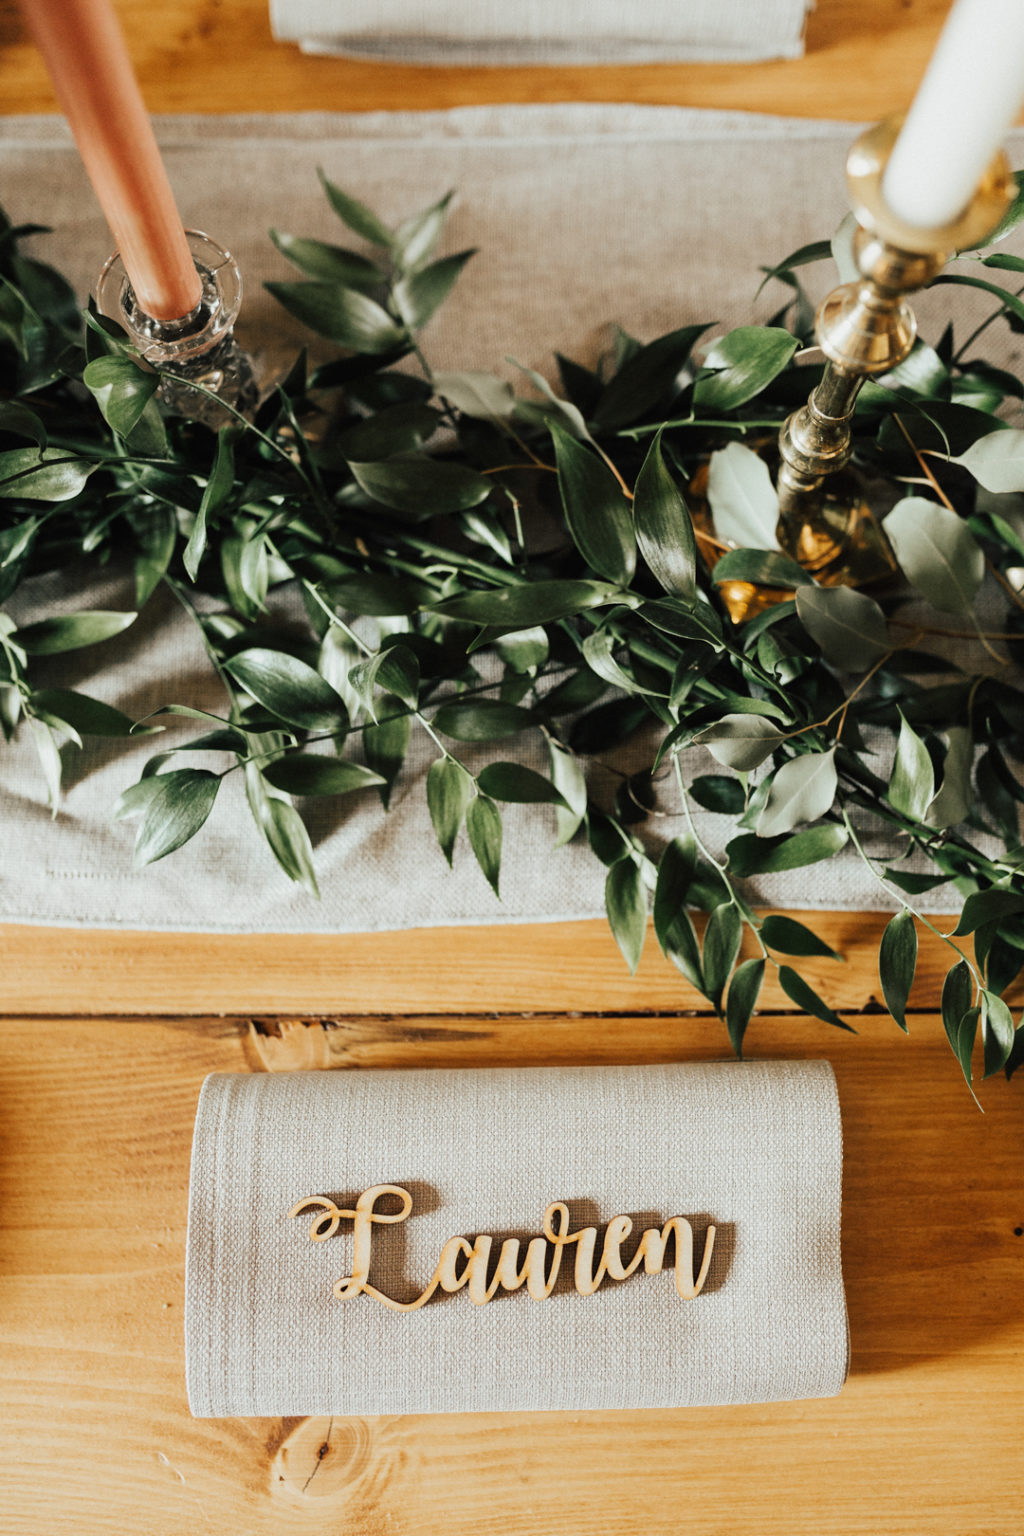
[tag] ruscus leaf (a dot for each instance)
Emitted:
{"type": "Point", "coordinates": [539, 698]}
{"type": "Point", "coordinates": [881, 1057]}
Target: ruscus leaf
{"type": "Point", "coordinates": [664, 531]}
{"type": "Point", "coordinates": [626, 905]}
{"type": "Point", "coordinates": [449, 792]}
{"type": "Point", "coordinates": [596, 510]}
{"type": "Point", "coordinates": [483, 825]}
{"type": "Point", "coordinates": [897, 962]}
{"type": "Point", "coordinates": [744, 990]}
{"type": "Point", "coordinates": [174, 812]}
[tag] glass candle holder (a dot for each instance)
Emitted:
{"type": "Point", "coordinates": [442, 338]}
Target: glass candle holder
{"type": "Point", "coordinates": [199, 349]}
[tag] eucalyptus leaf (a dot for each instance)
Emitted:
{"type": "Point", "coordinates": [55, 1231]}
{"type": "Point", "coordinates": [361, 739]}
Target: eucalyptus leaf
{"type": "Point", "coordinates": [132, 802]}
{"type": "Point", "coordinates": [953, 800]}
{"type": "Point", "coordinates": [719, 793]}
{"type": "Point", "coordinates": [965, 1038]}
{"type": "Point", "coordinates": [817, 250]}
{"type": "Point", "coordinates": [937, 552]}
{"type": "Point", "coordinates": [848, 626]}
{"type": "Point", "coordinates": [912, 782]}
{"type": "Point", "coordinates": [598, 649]}
{"type": "Point", "coordinates": [22, 421]}
{"type": "Point", "coordinates": [802, 790]}
{"type": "Point", "coordinates": [743, 500]}
{"type": "Point", "coordinates": [480, 395]}
{"type": "Point", "coordinates": [1013, 215]}
{"type": "Point", "coordinates": [286, 834]}
{"type": "Point", "coordinates": [689, 621]}
{"type": "Point", "coordinates": [752, 855]}
{"type": "Point", "coordinates": [553, 408]}
{"type": "Point", "coordinates": [740, 741]}
{"type": "Point", "coordinates": [156, 533]}
{"type": "Point", "coordinates": [996, 461]}
{"type": "Point", "coordinates": [338, 656]}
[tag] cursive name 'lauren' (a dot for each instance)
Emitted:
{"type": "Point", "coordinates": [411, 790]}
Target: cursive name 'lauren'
{"type": "Point", "coordinates": [464, 1265]}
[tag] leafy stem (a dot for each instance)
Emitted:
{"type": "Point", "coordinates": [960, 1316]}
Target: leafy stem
{"type": "Point", "coordinates": [908, 906]}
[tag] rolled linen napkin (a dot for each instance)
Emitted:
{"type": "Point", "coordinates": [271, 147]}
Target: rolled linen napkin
{"type": "Point", "coordinates": [658, 1236]}
{"type": "Point", "coordinates": [545, 31]}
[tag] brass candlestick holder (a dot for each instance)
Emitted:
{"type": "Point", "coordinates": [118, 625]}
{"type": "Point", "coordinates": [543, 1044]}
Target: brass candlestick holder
{"type": "Point", "coordinates": [200, 348]}
{"type": "Point", "coordinates": [865, 328]}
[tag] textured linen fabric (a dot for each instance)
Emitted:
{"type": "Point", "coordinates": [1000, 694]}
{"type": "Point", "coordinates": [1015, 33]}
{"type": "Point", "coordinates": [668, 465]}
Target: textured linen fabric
{"type": "Point", "coordinates": [753, 1147]}
{"type": "Point", "coordinates": [653, 217]}
{"type": "Point", "coordinates": [545, 31]}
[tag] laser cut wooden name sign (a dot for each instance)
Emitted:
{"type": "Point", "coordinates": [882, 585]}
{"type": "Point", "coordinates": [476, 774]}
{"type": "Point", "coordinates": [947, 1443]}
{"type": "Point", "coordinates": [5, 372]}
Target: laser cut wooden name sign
{"type": "Point", "coordinates": [464, 1265]}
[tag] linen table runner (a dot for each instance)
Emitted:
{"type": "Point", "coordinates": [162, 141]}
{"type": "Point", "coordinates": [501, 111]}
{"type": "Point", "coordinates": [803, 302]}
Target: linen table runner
{"type": "Point", "coordinates": [582, 215]}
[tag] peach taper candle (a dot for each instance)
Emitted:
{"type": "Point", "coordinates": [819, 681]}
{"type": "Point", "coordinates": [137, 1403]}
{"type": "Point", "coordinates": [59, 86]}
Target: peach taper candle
{"type": "Point", "coordinates": [85, 53]}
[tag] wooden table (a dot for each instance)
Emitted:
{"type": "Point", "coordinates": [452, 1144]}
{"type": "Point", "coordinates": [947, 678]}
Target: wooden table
{"type": "Point", "coordinates": [106, 1037]}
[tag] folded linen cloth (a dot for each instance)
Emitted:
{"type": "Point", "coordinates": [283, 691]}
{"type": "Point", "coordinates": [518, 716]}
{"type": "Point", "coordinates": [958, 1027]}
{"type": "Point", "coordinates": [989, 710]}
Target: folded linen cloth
{"type": "Point", "coordinates": [545, 31]}
{"type": "Point", "coordinates": [653, 217]}
{"type": "Point", "coordinates": [751, 1149]}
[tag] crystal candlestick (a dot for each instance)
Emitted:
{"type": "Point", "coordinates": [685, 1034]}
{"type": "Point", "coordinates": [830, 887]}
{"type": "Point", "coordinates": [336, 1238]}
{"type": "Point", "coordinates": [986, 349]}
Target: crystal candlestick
{"type": "Point", "coordinates": [199, 349]}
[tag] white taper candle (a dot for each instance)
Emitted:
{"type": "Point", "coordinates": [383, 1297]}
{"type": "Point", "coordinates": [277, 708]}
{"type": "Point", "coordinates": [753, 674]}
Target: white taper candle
{"type": "Point", "coordinates": [970, 95]}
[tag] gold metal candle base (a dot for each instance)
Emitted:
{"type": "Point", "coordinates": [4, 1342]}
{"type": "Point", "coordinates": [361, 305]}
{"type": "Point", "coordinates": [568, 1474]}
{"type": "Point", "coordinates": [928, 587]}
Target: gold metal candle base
{"type": "Point", "coordinates": [865, 328]}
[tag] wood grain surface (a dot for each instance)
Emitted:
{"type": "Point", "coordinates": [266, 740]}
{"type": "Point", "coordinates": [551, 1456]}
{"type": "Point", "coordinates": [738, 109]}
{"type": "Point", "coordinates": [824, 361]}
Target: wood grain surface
{"type": "Point", "coordinates": [863, 60]}
{"type": "Point", "coordinates": [97, 1438]}
{"type": "Point", "coordinates": [518, 967]}
{"type": "Point", "coordinates": [105, 1038]}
